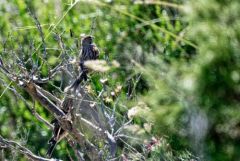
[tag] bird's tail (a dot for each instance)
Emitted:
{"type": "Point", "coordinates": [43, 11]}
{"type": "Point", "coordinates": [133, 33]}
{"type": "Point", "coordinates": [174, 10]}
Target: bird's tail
{"type": "Point", "coordinates": [81, 77]}
{"type": "Point", "coordinates": [53, 144]}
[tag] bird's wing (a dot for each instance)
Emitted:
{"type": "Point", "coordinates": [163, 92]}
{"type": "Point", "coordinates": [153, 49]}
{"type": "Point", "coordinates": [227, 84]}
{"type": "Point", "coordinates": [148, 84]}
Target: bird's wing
{"type": "Point", "coordinates": [96, 51]}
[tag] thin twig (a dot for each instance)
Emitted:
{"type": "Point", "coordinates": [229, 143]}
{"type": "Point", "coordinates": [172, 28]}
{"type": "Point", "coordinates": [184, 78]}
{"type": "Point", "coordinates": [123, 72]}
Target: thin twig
{"type": "Point", "coordinates": [49, 95]}
{"type": "Point", "coordinates": [23, 150]}
{"type": "Point", "coordinates": [31, 109]}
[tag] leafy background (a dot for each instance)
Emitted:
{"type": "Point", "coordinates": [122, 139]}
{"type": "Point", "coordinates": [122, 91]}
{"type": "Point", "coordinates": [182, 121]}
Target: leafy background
{"type": "Point", "coordinates": [179, 64]}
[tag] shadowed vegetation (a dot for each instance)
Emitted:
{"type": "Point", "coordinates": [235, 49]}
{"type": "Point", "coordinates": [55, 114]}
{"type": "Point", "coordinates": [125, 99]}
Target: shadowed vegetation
{"type": "Point", "coordinates": [165, 87]}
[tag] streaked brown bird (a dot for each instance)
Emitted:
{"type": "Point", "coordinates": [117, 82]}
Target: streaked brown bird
{"type": "Point", "coordinates": [89, 51]}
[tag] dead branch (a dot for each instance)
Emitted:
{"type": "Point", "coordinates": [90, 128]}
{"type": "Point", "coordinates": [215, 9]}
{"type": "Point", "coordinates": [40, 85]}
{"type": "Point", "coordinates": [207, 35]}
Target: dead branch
{"type": "Point", "coordinates": [40, 95]}
{"type": "Point", "coordinates": [31, 109]}
{"type": "Point", "coordinates": [31, 88]}
{"type": "Point", "coordinates": [4, 143]}
{"type": "Point", "coordinates": [49, 95]}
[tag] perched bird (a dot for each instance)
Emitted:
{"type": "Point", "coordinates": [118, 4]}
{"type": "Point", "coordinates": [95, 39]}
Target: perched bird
{"type": "Point", "coordinates": [58, 132]}
{"type": "Point", "coordinates": [89, 51]}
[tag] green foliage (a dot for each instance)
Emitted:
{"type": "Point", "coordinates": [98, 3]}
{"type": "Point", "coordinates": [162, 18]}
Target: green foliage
{"type": "Point", "coordinates": [178, 77]}
{"type": "Point", "coordinates": [196, 102]}
{"type": "Point", "coordinates": [216, 24]}
{"type": "Point", "coordinates": [130, 33]}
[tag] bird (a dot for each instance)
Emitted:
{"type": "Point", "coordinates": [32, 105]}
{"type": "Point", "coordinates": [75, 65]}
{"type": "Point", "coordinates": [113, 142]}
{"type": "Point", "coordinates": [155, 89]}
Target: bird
{"type": "Point", "coordinates": [89, 51]}
{"type": "Point", "coordinates": [58, 132]}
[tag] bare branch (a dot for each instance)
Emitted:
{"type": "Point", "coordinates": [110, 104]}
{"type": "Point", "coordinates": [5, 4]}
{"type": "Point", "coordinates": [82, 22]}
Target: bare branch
{"type": "Point", "coordinates": [31, 109]}
{"type": "Point", "coordinates": [49, 95]}
{"type": "Point", "coordinates": [39, 27]}
{"type": "Point", "coordinates": [91, 150]}
{"type": "Point", "coordinates": [39, 96]}
{"type": "Point", "coordinates": [77, 152]}
{"type": "Point", "coordinates": [64, 122]}
{"type": "Point", "coordinates": [122, 127]}
{"type": "Point", "coordinates": [23, 150]}
{"type": "Point", "coordinates": [51, 74]}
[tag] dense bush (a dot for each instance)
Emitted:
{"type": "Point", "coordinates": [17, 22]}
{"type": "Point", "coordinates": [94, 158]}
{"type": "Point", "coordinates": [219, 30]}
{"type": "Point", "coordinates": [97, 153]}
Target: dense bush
{"type": "Point", "coordinates": [178, 78]}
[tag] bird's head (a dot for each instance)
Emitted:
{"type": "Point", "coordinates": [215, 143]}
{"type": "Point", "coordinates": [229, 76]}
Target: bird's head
{"type": "Point", "coordinates": [86, 40]}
